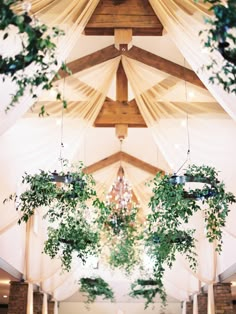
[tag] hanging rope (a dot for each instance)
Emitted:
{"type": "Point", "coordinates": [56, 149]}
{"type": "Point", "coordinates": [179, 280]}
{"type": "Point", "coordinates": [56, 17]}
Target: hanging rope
{"type": "Point", "coordinates": [187, 123]}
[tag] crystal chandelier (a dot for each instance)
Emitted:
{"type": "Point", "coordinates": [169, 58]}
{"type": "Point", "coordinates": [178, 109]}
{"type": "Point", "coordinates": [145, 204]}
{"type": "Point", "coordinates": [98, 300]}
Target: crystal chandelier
{"type": "Point", "coordinates": [121, 194]}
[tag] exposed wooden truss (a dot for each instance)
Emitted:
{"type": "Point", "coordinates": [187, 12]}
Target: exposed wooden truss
{"type": "Point", "coordinates": [122, 156]}
{"type": "Point", "coordinates": [138, 54]}
{"type": "Point", "coordinates": [137, 15]}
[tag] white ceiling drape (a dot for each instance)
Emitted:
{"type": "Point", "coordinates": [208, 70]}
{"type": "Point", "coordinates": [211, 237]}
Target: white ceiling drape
{"type": "Point", "coordinates": [184, 27]}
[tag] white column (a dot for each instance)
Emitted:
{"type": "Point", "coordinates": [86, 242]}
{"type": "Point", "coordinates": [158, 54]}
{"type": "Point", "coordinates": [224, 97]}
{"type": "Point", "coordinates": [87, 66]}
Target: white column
{"type": "Point", "coordinates": [211, 300]}
{"type": "Point", "coordinates": [55, 307]}
{"type": "Point", "coordinates": [195, 304]}
{"type": "Point", "coordinates": [45, 304]}
{"type": "Point", "coordinates": [30, 299]}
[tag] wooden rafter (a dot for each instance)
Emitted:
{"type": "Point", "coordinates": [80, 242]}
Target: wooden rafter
{"type": "Point", "coordinates": [164, 65]}
{"type": "Point", "coordinates": [91, 60]}
{"type": "Point", "coordinates": [122, 156]}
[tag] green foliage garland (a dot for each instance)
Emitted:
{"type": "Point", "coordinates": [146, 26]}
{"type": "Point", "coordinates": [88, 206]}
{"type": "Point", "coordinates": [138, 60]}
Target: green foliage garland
{"type": "Point", "coordinates": [38, 49]}
{"type": "Point", "coordinates": [96, 287]}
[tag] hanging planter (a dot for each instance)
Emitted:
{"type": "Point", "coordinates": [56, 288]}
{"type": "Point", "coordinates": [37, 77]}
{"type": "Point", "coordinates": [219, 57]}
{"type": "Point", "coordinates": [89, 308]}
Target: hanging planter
{"type": "Point", "coordinates": [70, 231]}
{"type": "Point", "coordinates": [172, 206]}
{"type": "Point", "coordinates": [147, 289]}
{"type": "Point", "coordinates": [95, 287]}
{"type": "Point", "coordinates": [37, 48]}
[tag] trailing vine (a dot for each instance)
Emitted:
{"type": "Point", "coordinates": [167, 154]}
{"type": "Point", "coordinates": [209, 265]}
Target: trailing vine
{"type": "Point", "coordinates": [38, 48]}
{"type": "Point", "coordinates": [67, 212]}
{"type": "Point", "coordinates": [95, 287]}
{"type": "Point", "coordinates": [220, 37]}
{"type": "Point", "coordinates": [172, 206]}
{"type": "Point", "coordinates": [147, 289]}
{"type": "Point", "coordinates": [77, 230]}
{"type": "Point", "coordinates": [121, 233]}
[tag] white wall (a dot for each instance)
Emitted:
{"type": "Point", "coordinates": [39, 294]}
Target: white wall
{"type": "Point", "coordinates": [117, 308]}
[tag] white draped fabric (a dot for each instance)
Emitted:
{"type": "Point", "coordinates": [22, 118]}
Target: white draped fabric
{"type": "Point", "coordinates": [184, 30]}
{"type": "Point", "coordinates": [72, 19]}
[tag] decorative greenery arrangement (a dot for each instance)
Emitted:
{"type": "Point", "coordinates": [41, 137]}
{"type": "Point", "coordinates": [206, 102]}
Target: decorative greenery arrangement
{"type": "Point", "coordinates": [221, 38]}
{"type": "Point", "coordinates": [96, 287]}
{"type": "Point", "coordinates": [66, 203]}
{"type": "Point", "coordinates": [146, 288]}
{"type": "Point", "coordinates": [38, 48]}
{"type": "Point", "coordinates": [121, 233]}
{"type": "Point", "coordinates": [172, 206]}
{"type": "Point", "coordinates": [74, 229]}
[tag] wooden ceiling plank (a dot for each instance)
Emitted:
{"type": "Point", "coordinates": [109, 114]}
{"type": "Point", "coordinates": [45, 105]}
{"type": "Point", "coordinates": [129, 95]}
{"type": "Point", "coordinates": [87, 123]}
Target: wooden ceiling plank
{"type": "Point", "coordinates": [135, 14]}
{"type": "Point", "coordinates": [116, 112]}
{"type": "Point", "coordinates": [136, 31]}
{"type": "Point", "coordinates": [91, 60]}
{"type": "Point", "coordinates": [164, 65]}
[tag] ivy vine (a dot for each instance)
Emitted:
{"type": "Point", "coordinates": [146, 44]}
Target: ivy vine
{"type": "Point", "coordinates": [121, 232]}
{"type": "Point", "coordinates": [95, 287]}
{"type": "Point", "coordinates": [220, 37]}
{"type": "Point", "coordinates": [172, 206]}
{"type": "Point", "coordinates": [38, 48]}
{"type": "Point", "coordinates": [67, 211]}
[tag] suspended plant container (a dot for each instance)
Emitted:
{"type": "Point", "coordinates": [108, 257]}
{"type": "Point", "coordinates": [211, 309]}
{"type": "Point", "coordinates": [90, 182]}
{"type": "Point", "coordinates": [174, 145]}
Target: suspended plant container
{"type": "Point", "coordinates": [95, 287]}
{"type": "Point", "coordinates": [201, 192]}
{"type": "Point", "coordinates": [66, 209]}
{"type": "Point", "coordinates": [173, 206]}
{"type": "Point", "coordinates": [147, 289]}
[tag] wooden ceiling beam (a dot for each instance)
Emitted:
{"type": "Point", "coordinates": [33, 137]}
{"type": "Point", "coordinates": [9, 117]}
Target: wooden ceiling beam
{"type": "Point", "coordinates": [122, 156]}
{"type": "Point", "coordinates": [137, 15]}
{"type": "Point", "coordinates": [164, 65]}
{"type": "Point", "coordinates": [102, 163]}
{"type": "Point", "coordinates": [138, 163]}
{"type": "Point", "coordinates": [91, 60]}
{"type": "Point", "coordinates": [117, 112]}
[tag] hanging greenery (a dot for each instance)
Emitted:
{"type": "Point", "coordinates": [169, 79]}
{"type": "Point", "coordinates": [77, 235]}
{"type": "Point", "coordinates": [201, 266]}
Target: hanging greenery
{"type": "Point", "coordinates": [76, 230]}
{"type": "Point", "coordinates": [220, 37]}
{"type": "Point", "coordinates": [38, 49]}
{"type": "Point", "coordinates": [121, 232]}
{"type": "Point", "coordinates": [64, 195]}
{"type": "Point", "coordinates": [172, 206]}
{"type": "Point", "coordinates": [95, 287]}
{"type": "Point", "coordinates": [147, 289]}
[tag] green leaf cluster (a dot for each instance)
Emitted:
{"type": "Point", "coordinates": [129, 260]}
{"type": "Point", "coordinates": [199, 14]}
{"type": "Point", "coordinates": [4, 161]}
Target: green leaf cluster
{"type": "Point", "coordinates": [122, 233]}
{"type": "Point", "coordinates": [67, 212]}
{"type": "Point", "coordinates": [172, 206]}
{"type": "Point", "coordinates": [220, 37]}
{"type": "Point", "coordinates": [94, 287]}
{"type": "Point", "coordinates": [39, 49]}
